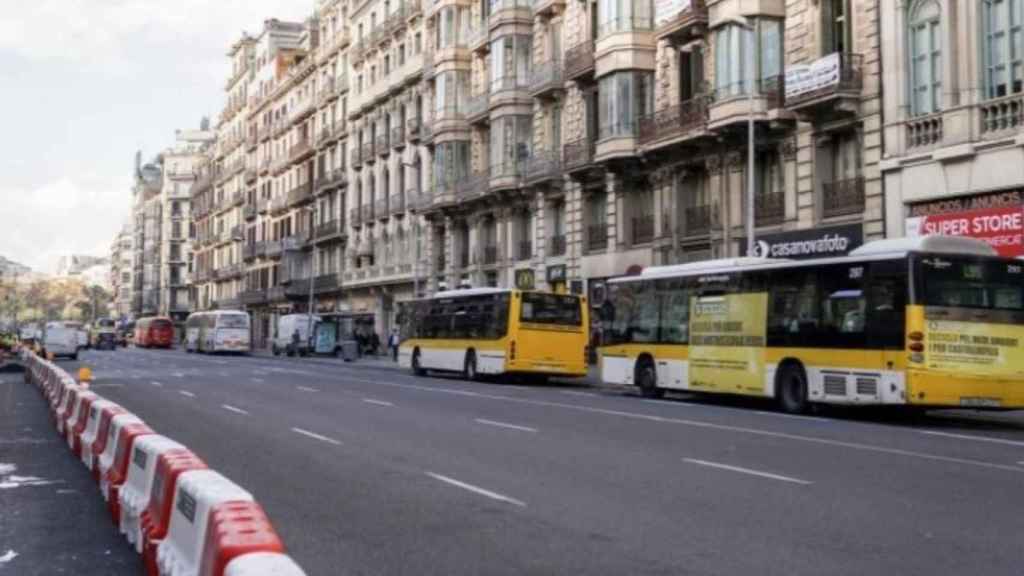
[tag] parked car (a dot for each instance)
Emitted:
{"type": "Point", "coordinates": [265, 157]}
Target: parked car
{"type": "Point", "coordinates": [61, 340]}
{"type": "Point", "coordinates": [292, 336]}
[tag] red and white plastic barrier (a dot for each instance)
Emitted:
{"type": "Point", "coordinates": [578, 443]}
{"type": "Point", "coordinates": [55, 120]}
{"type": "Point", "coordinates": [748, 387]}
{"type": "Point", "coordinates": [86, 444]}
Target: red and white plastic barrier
{"type": "Point", "coordinates": [185, 519]}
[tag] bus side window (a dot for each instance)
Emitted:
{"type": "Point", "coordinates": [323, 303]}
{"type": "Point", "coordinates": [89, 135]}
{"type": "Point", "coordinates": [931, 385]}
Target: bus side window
{"type": "Point", "coordinates": [843, 306]}
{"type": "Point", "coordinates": [793, 310]}
{"type": "Point", "coordinates": [675, 312]}
{"type": "Point", "coordinates": [887, 301]}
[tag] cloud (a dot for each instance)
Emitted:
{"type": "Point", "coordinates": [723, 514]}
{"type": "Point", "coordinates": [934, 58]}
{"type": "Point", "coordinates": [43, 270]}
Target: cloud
{"type": "Point", "coordinates": [94, 81]}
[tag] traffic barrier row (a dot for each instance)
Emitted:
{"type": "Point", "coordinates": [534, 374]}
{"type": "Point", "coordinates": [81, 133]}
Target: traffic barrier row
{"type": "Point", "coordinates": [182, 517]}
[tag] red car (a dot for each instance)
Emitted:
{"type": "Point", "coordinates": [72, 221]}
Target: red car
{"type": "Point", "coordinates": [154, 333]}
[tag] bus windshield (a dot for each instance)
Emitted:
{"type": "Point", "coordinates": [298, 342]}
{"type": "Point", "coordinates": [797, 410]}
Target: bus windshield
{"type": "Point", "coordinates": [970, 283]}
{"type": "Point", "coordinates": [105, 323]}
{"type": "Point", "coordinates": [557, 309]}
{"type": "Point", "coordinates": [233, 321]}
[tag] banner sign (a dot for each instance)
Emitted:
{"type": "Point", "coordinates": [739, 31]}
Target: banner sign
{"type": "Point", "coordinates": [1002, 228]}
{"type": "Point", "coordinates": [804, 78]}
{"type": "Point", "coordinates": [727, 340]}
{"type": "Point", "coordinates": [825, 242]}
{"type": "Point", "coordinates": [666, 10]}
{"type": "Point", "coordinates": [974, 348]}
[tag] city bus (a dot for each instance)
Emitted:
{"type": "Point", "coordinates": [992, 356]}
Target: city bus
{"type": "Point", "coordinates": [923, 322]}
{"type": "Point", "coordinates": [218, 331]}
{"type": "Point", "coordinates": [491, 331]}
{"type": "Point", "coordinates": [154, 332]}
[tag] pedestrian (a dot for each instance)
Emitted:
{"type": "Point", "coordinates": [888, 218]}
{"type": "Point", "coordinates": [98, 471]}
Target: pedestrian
{"type": "Point", "coordinates": [393, 342]}
{"type": "Point", "coordinates": [296, 339]}
{"type": "Point", "coordinates": [374, 343]}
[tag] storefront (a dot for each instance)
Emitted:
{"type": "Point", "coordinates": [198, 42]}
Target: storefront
{"type": "Point", "coordinates": [821, 242]}
{"type": "Point", "coordinates": [996, 219]}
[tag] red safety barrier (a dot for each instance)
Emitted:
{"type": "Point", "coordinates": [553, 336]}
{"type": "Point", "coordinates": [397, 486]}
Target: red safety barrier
{"type": "Point", "coordinates": [119, 471]}
{"type": "Point", "coordinates": [76, 415]}
{"type": "Point", "coordinates": [81, 422]}
{"type": "Point", "coordinates": [234, 529]}
{"type": "Point", "coordinates": [67, 407]}
{"type": "Point", "coordinates": [156, 518]}
{"type": "Point", "coordinates": [100, 445]}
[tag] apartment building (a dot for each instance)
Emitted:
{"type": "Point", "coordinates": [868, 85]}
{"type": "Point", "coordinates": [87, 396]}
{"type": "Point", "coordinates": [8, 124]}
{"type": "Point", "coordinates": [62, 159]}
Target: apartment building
{"type": "Point", "coordinates": [121, 272]}
{"type": "Point", "coordinates": [954, 110]}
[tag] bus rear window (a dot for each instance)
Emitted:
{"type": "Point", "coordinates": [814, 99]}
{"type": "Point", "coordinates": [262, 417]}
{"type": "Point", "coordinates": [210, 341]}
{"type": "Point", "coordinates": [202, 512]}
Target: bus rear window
{"type": "Point", "coordinates": [557, 309]}
{"type": "Point", "coordinates": [970, 283]}
{"type": "Point", "coordinates": [233, 321]}
{"type": "Point", "coordinates": [161, 325]}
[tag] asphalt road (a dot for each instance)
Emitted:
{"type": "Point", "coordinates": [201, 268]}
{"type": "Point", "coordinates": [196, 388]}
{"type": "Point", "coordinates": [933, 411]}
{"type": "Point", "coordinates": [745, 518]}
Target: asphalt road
{"type": "Point", "coordinates": [369, 470]}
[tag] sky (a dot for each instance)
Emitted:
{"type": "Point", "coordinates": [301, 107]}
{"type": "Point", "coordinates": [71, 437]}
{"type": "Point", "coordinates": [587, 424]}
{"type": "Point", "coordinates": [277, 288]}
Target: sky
{"type": "Point", "coordinates": [85, 84]}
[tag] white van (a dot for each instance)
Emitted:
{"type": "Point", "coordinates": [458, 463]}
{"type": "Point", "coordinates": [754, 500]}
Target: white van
{"type": "Point", "coordinates": [284, 341]}
{"type": "Point", "coordinates": [60, 339]}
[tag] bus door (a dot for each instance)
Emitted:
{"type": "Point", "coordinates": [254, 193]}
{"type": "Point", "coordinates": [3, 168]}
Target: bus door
{"type": "Point", "coordinates": [888, 287]}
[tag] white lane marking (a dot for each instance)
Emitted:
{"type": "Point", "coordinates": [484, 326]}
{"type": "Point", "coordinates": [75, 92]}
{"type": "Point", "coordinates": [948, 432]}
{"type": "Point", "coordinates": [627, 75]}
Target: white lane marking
{"type": "Point", "coordinates": [8, 556]}
{"type": "Point", "coordinates": [707, 425]}
{"type": "Point", "coordinates": [747, 471]}
{"type": "Point", "coordinates": [477, 490]}
{"type": "Point", "coordinates": [505, 425]}
{"type": "Point", "coordinates": [157, 384]}
{"type": "Point", "coordinates": [186, 393]}
{"type": "Point", "coordinates": [231, 408]}
{"type": "Point", "coordinates": [316, 436]}
{"type": "Point", "coordinates": [791, 416]}
{"type": "Point", "coordinates": [258, 380]}
{"type": "Point", "coordinates": [577, 393]}
{"type": "Point", "coordinates": [178, 375]}
{"type": "Point", "coordinates": [973, 438]}
{"type": "Point", "coordinates": [666, 402]}
{"type": "Point", "coordinates": [306, 389]}
{"type": "Point", "coordinates": [377, 402]}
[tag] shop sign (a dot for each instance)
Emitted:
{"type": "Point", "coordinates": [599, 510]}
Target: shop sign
{"type": "Point", "coordinates": [525, 279]}
{"type": "Point", "coordinates": [666, 10]}
{"type": "Point", "coordinates": [1011, 198]}
{"type": "Point", "coordinates": [556, 274]}
{"type": "Point", "coordinates": [827, 242]}
{"type": "Point", "coordinates": [1002, 228]}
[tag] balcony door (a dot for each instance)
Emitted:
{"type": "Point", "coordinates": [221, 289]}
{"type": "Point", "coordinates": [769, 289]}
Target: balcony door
{"type": "Point", "coordinates": [835, 26]}
{"type": "Point", "coordinates": [691, 72]}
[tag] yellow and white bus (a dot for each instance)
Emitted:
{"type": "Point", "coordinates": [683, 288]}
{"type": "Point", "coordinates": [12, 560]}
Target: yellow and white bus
{"type": "Point", "coordinates": [496, 331]}
{"type": "Point", "coordinates": [930, 322]}
{"type": "Point", "coordinates": [218, 331]}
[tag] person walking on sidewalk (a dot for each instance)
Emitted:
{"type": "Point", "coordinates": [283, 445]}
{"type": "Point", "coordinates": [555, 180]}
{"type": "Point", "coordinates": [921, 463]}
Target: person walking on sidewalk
{"type": "Point", "coordinates": [393, 343]}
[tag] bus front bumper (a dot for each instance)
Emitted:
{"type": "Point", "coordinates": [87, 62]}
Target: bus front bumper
{"type": "Point", "coordinates": [930, 388]}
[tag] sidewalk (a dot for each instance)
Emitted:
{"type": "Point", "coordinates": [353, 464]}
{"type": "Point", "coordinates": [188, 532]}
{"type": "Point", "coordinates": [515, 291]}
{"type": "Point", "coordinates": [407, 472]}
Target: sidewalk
{"type": "Point", "coordinates": [53, 519]}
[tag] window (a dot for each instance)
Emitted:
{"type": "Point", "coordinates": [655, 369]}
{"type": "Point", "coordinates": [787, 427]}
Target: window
{"type": "Point", "coordinates": [732, 57]}
{"type": "Point", "coordinates": [845, 151]}
{"type": "Point", "coordinates": [624, 16]}
{"type": "Point", "coordinates": [675, 312]}
{"type": "Point", "coordinates": [925, 44]}
{"type": "Point", "coordinates": [451, 90]}
{"type": "Point", "coordinates": [793, 310]}
{"type": "Point", "coordinates": [452, 27]}
{"type": "Point", "coordinates": [511, 143]}
{"type": "Point", "coordinates": [451, 164]}
{"type": "Point", "coordinates": [541, 308]}
{"type": "Point", "coordinates": [1004, 47]}
{"type": "Point", "coordinates": [510, 62]}
{"type": "Point", "coordinates": [835, 26]}
{"type": "Point", "coordinates": [622, 98]}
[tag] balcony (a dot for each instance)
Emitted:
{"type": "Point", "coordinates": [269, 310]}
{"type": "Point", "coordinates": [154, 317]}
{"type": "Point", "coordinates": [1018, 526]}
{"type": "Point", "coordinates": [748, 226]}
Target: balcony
{"type": "Point", "coordinates": [237, 199]}
{"type": "Point", "coordinates": [439, 264]}
{"type": "Point", "coordinates": [274, 249]}
{"type": "Point", "coordinates": [547, 80]}
{"type": "Point", "coordinates": [643, 229]}
{"type": "Point", "coordinates": [479, 37]}
{"type": "Point", "coordinates": [367, 152]}
{"type": "Point", "coordinates": [300, 150]}
{"type": "Point", "coordinates": [276, 294]}
{"type": "Point", "coordinates": [524, 250]}
{"type": "Point", "coordinates": [295, 242]}
{"type": "Point", "coordinates": [475, 186]}
{"type": "Point", "coordinates": [279, 205]}
{"type": "Point", "coordinates": [300, 194]}
{"type": "Point", "coordinates": [398, 137]}
{"type": "Point", "coordinates": [328, 230]}
{"type": "Point", "coordinates": [260, 249]}
{"type": "Point", "coordinates": [597, 237]}
{"type": "Point", "coordinates": [544, 166]}
{"type": "Point", "coordinates": [730, 104]}
{"type": "Point", "coordinates": [675, 123]}
{"type": "Point", "coordinates": [477, 108]}
{"type": "Point", "coordinates": [248, 252]}
{"type": "Point", "coordinates": [381, 208]}
{"type": "Point", "coordinates": [557, 245]}
{"type": "Point", "coordinates": [367, 213]}
{"type": "Point", "coordinates": [579, 62]}
{"type": "Point", "coordinates": [251, 141]}
{"type": "Point", "coordinates": [578, 155]}
{"type": "Point", "coordinates": [250, 174]}
{"type": "Point", "coordinates": [356, 158]}
{"type": "Point", "coordinates": [686, 25]}
{"type": "Point", "coordinates": [253, 297]}
{"type": "Point", "coordinates": [464, 260]}
{"type": "Point", "coordinates": [769, 208]}
{"type": "Point", "coordinates": [826, 88]}
{"type": "Point", "coordinates": [383, 144]}
{"type": "Point", "coordinates": [397, 204]}
{"type": "Point", "coordinates": [324, 135]}
{"type": "Point", "coordinates": [326, 93]}
{"type": "Point", "coordinates": [237, 233]}
{"type": "Point", "coordinates": [355, 216]}
{"type": "Point", "coordinates": [697, 220]}
{"type": "Point", "coordinates": [1001, 116]}
{"type": "Point", "coordinates": [548, 8]}
{"type": "Point", "coordinates": [413, 127]}
{"type": "Point", "coordinates": [924, 131]}
{"type": "Point", "coordinates": [843, 197]}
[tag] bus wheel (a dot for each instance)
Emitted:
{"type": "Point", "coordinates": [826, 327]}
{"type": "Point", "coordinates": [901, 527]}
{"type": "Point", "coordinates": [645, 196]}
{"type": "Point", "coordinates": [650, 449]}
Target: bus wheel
{"type": "Point", "coordinates": [469, 372]}
{"type": "Point", "coordinates": [647, 380]}
{"type": "Point", "coordinates": [416, 368]}
{"type": "Point", "coordinates": [792, 389]}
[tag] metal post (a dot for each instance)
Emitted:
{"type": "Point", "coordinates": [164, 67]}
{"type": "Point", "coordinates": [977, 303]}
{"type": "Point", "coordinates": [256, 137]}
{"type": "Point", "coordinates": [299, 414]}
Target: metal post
{"type": "Point", "coordinates": [312, 267]}
{"type": "Point", "coordinates": [751, 180]}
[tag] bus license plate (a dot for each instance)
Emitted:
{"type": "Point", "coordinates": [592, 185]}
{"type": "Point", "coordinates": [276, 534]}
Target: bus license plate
{"type": "Point", "coordinates": [980, 402]}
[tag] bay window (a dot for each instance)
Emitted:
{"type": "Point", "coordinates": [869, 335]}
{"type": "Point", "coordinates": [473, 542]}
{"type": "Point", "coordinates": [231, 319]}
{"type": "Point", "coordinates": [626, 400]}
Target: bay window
{"type": "Point", "coordinates": [451, 164]}
{"type": "Point", "coordinates": [451, 90]}
{"type": "Point", "coordinates": [624, 16]}
{"type": "Point", "coordinates": [511, 144]}
{"type": "Point", "coordinates": [511, 61]}
{"type": "Point", "coordinates": [623, 97]}
{"type": "Point", "coordinates": [732, 57]}
{"type": "Point", "coordinates": [452, 28]}
{"type": "Point", "coordinates": [1003, 47]}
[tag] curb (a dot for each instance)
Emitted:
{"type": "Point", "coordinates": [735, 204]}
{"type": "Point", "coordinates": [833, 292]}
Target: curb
{"type": "Point", "coordinates": [185, 519]}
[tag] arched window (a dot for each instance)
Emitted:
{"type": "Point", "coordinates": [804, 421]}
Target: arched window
{"type": "Point", "coordinates": [1003, 48]}
{"type": "Point", "coordinates": [924, 42]}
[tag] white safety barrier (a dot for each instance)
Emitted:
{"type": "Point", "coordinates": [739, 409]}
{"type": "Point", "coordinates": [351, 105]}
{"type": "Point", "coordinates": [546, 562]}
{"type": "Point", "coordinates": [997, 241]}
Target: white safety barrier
{"type": "Point", "coordinates": [198, 492]}
{"type": "Point", "coordinates": [106, 460]}
{"type": "Point", "coordinates": [77, 416]}
{"type": "Point", "coordinates": [67, 406]}
{"type": "Point", "coordinates": [135, 494]}
{"type": "Point", "coordinates": [263, 564]}
{"type": "Point", "coordinates": [92, 428]}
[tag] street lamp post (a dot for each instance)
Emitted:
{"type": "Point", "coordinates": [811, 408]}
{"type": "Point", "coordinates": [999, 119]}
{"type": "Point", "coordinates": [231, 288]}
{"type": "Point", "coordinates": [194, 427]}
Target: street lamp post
{"type": "Point", "coordinates": [751, 60]}
{"type": "Point", "coordinates": [312, 267]}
